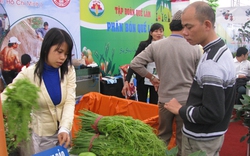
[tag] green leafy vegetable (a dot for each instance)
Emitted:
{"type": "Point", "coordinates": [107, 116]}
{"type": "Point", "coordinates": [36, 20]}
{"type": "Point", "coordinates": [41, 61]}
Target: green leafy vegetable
{"type": "Point", "coordinates": [21, 99]}
{"type": "Point", "coordinates": [116, 135]}
{"type": "Point", "coordinates": [87, 154]}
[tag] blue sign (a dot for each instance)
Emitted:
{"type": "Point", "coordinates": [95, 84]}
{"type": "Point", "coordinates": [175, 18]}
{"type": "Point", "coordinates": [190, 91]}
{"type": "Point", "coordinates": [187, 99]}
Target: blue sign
{"type": "Point", "coordinates": [55, 151]}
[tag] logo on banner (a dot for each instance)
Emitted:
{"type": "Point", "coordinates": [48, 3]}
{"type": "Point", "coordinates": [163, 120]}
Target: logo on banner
{"type": "Point", "coordinates": [96, 8]}
{"type": "Point", "coordinates": [61, 3]}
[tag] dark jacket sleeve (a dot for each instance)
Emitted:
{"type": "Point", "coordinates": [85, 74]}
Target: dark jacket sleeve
{"type": "Point", "coordinates": [140, 48]}
{"type": "Point", "coordinates": [210, 109]}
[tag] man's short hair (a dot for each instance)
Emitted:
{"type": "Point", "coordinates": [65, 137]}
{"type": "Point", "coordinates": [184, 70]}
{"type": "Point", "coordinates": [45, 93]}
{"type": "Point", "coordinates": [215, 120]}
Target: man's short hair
{"type": "Point", "coordinates": [25, 59]}
{"type": "Point", "coordinates": [175, 24]}
{"type": "Point", "coordinates": [241, 51]}
{"type": "Point", "coordinates": [204, 12]}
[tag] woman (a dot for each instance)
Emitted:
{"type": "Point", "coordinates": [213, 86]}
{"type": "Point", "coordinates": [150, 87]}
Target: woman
{"type": "Point", "coordinates": [55, 76]}
{"type": "Point", "coordinates": [155, 33]}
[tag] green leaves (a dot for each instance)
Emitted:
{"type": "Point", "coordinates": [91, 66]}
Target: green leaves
{"type": "Point", "coordinates": [21, 99]}
{"type": "Point", "coordinates": [198, 153]}
{"type": "Point", "coordinates": [116, 135]}
{"type": "Point", "coordinates": [243, 113]}
{"type": "Point", "coordinates": [244, 34]}
{"type": "Point", "coordinates": [87, 154]}
{"type": "Point", "coordinates": [244, 108]}
{"type": "Point", "coordinates": [244, 137]}
{"type": "Point", "coordinates": [213, 4]}
{"type": "Point", "coordinates": [245, 100]}
{"type": "Point", "coordinates": [106, 64]}
{"type": "Point", "coordinates": [172, 152]}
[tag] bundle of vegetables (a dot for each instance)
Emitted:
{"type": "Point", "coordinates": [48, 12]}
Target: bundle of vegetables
{"type": "Point", "coordinates": [99, 144]}
{"type": "Point", "coordinates": [87, 154]}
{"type": "Point", "coordinates": [21, 99]}
{"type": "Point", "coordinates": [116, 135]}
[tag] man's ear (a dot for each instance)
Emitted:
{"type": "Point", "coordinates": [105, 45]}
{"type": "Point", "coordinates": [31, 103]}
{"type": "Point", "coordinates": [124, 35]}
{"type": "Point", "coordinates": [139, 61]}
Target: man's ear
{"type": "Point", "coordinates": [208, 24]}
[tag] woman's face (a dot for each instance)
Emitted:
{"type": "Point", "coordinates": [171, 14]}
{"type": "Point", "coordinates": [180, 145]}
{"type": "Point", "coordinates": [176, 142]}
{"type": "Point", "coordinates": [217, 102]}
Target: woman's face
{"type": "Point", "coordinates": [157, 34]}
{"type": "Point", "coordinates": [56, 57]}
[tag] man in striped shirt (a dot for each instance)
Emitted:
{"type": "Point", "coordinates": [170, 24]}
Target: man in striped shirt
{"type": "Point", "coordinates": [207, 112]}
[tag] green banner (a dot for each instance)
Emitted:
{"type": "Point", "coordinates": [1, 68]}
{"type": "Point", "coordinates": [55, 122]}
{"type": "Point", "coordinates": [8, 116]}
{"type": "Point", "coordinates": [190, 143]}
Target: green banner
{"type": "Point", "coordinates": [111, 30]}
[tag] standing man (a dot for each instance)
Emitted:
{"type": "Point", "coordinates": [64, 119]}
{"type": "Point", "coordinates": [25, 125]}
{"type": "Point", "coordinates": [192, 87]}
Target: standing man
{"type": "Point", "coordinates": [11, 63]}
{"type": "Point", "coordinates": [41, 32]}
{"type": "Point", "coordinates": [207, 112]}
{"type": "Point", "coordinates": [176, 61]}
{"type": "Point", "coordinates": [242, 66]}
{"type": "Point", "coordinates": [6, 24]}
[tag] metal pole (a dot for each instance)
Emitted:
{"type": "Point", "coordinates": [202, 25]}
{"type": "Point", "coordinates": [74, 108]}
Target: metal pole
{"type": "Point", "coordinates": [3, 147]}
{"type": "Point", "coordinates": [248, 144]}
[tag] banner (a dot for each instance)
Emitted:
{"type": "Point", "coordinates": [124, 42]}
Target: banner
{"type": "Point", "coordinates": [25, 17]}
{"type": "Point", "coordinates": [106, 32]}
{"type": "Point", "coordinates": [232, 25]}
{"type": "Point", "coordinates": [111, 30]}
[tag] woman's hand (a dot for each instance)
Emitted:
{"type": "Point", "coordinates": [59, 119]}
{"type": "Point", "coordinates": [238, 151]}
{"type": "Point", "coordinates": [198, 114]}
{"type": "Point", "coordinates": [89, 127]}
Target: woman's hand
{"type": "Point", "coordinates": [125, 90]}
{"type": "Point", "coordinates": [64, 138]}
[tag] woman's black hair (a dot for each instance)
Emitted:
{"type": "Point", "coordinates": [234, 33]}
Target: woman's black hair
{"type": "Point", "coordinates": [54, 36]}
{"type": "Point", "coordinates": [154, 27]}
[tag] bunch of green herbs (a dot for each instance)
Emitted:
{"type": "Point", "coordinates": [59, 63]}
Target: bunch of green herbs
{"type": "Point", "coordinates": [116, 135]}
{"type": "Point", "coordinates": [98, 144]}
{"type": "Point", "coordinates": [21, 99]}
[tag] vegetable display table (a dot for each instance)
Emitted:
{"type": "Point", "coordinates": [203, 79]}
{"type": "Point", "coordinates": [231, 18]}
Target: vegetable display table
{"type": "Point", "coordinates": [110, 105]}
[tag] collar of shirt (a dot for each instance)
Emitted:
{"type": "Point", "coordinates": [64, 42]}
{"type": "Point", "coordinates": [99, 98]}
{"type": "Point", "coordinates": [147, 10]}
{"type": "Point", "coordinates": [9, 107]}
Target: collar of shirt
{"type": "Point", "coordinates": [176, 35]}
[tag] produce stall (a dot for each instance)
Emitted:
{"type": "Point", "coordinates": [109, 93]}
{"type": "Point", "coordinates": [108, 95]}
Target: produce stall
{"type": "Point", "coordinates": [87, 80]}
{"type": "Point", "coordinates": [110, 105]}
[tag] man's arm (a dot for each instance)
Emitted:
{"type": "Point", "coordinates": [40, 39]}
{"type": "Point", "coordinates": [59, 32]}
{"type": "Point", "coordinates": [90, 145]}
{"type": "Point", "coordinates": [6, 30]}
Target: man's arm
{"type": "Point", "coordinates": [211, 109]}
{"type": "Point", "coordinates": [140, 48]}
{"type": "Point", "coordinates": [141, 60]}
{"type": "Point", "coordinates": [39, 32]}
{"type": "Point", "coordinates": [1, 54]}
